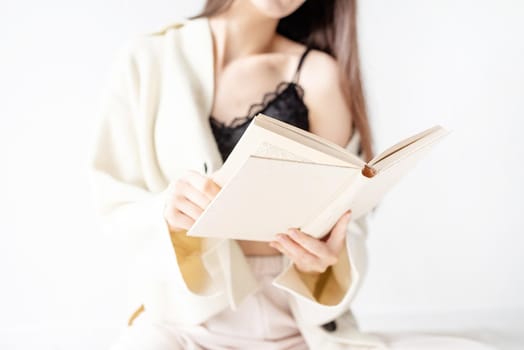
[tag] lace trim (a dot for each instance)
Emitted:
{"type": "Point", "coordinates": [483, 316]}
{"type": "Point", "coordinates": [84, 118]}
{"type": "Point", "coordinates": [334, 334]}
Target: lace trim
{"type": "Point", "coordinates": [256, 108]}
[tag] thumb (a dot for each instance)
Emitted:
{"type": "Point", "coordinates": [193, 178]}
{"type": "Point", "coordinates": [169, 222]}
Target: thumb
{"type": "Point", "coordinates": [338, 232]}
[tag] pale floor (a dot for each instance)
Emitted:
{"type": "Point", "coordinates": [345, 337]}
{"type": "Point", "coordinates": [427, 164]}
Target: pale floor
{"type": "Point", "coordinates": [505, 329]}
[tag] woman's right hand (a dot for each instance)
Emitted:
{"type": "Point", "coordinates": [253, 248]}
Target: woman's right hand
{"type": "Point", "coordinates": [187, 198]}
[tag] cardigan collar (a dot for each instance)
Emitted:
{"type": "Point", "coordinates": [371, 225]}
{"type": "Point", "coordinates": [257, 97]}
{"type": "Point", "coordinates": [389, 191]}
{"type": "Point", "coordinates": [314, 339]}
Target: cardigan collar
{"type": "Point", "coordinates": [204, 60]}
{"type": "Point", "coordinates": [187, 83]}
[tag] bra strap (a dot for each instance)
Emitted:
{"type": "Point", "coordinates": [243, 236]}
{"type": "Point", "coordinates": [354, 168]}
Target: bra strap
{"type": "Point", "coordinates": [300, 62]}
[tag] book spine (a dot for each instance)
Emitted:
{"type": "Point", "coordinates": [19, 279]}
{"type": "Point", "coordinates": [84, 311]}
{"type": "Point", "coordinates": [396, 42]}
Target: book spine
{"type": "Point", "coordinates": [322, 224]}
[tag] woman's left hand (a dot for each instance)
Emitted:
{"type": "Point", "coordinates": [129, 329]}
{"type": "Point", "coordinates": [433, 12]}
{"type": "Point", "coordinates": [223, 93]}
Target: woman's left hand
{"type": "Point", "coordinates": [312, 255]}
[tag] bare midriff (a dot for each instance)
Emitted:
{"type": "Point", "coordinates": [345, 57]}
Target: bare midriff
{"type": "Point", "coordinates": [257, 248]}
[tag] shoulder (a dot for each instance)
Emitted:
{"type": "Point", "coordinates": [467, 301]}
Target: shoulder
{"type": "Point", "coordinates": [167, 27]}
{"type": "Point", "coordinates": [320, 71]}
{"type": "Point", "coordinates": [330, 117]}
{"type": "Point", "coordinates": [320, 75]}
{"type": "Point", "coordinates": [144, 54]}
{"type": "Point", "coordinates": [137, 51]}
{"type": "Point", "coordinates": [315, 59]}
{"type": "Point", "coordinates": [147, 43]}
{"type": "Point", "coordinates": [320, 79]}
{"type": "Point", "coordinates": [152, 43]}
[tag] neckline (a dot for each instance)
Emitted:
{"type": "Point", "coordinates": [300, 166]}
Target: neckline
{"type": "Point", "coordinates": [254, 109]}
{"type": "Point", "coordinates": [264, 103]}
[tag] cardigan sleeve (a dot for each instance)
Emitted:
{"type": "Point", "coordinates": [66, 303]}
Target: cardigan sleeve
{"type": "Point", "coordinates": [128, 195]}
{"type": "Point", "coordinates": [126, 204]}
{"type": "Point", "coordinates": [322, 298]}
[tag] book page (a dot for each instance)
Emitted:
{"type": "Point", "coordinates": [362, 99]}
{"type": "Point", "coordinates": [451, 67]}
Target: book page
{"type": "Point", "coordinates": [267, 196]}
{"type": "Point", "coordinates": [406, 147]}
{"type": "Point", "coordinates": [365, 192]}
{"type": "Point", "coordinates": [372, 190]}
{"type": "Point", "coordinates": [259, 139]}
{"type": "Point", "coordinates": [307, 138]}
{"type": "Point", "coordinates": [268, 150]}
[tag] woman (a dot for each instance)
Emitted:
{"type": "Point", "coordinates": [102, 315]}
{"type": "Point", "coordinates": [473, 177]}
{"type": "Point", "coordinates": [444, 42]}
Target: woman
{"type": "Point", "coordinates": [174, 108]}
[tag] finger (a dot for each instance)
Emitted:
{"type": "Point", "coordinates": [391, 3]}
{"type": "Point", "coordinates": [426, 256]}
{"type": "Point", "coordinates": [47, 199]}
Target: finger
{"type": "Point", "coordinates": [189, 208]}
{"type": "Point", "coordinates": [338, 233]}
{"type": "Point", "coordinates": [193, 194]}
{"type": "Point", "coordinates": [279, 247]}
{"type": "Point", "coordinates": [313, 245]}
{"type": "Point", "coordinates": [178, 220]}
{"type": "Point", "coordinates": [284, 251]}
{"type": "Point", "coordinates": [298, 254]}
{"type": "Point", "coordinates": [203, 183]}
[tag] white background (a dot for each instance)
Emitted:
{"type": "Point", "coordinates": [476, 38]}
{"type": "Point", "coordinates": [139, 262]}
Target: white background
{"type": "Point", "coordinates": [447, 240]}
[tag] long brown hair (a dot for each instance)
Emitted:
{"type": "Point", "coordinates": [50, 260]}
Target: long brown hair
{"type": "Point", "coordinates": [329, 26]}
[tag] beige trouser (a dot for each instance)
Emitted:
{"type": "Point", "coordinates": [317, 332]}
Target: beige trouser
{"type": "Point", "coordinates": [263, 321]}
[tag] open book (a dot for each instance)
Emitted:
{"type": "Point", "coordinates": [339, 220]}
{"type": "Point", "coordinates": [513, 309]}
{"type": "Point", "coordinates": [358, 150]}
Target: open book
{"type": "Point", "coordinates": [279, 176]}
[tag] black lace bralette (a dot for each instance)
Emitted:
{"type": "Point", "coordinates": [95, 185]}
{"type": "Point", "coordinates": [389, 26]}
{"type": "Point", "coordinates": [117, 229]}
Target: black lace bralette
{"type": "Point", "coordinates": [285, 104]}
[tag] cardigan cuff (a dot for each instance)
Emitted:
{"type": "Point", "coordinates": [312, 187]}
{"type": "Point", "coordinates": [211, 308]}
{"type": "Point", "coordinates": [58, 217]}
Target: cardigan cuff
{"type": "Point", "coordinates": [320, 304]}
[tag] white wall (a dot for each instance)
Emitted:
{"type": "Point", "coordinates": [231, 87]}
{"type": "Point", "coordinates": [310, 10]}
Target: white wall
{"type": "Point", "coordinates": [450, 235]}
{"type": "Point", "coordinates": [447, 237]}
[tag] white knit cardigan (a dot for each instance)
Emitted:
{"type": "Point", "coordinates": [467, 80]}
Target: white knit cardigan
{"type": "Point", "coordinates": [152, 127]}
